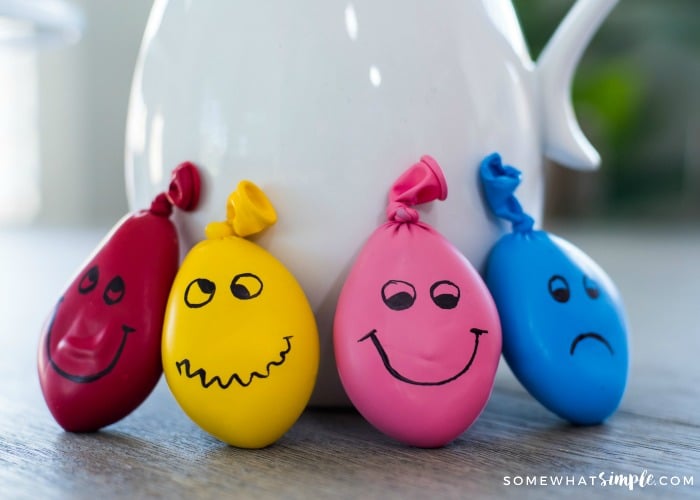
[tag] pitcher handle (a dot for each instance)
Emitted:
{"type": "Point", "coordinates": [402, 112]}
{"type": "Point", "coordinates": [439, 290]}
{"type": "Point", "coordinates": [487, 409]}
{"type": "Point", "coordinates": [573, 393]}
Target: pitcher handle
{"type": "Point", "coordinates": [562, 138]}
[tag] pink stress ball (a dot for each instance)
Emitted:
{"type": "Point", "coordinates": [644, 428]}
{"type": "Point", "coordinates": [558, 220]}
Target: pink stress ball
{"type": "Point", "coordinates": [416, 334]}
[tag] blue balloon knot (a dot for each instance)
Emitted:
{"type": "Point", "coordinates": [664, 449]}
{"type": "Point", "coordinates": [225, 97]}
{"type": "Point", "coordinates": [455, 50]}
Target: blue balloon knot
{"type": "Point", "coordinates": [500, 182]}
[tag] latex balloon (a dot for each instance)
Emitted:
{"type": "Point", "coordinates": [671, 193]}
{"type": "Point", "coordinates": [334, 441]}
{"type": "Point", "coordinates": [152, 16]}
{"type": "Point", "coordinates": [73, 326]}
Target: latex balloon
{"type": "Point", "coordinates": [416, 333]}
{"type": "Point", "coordinates": [564, 327]}
{"type": "Point", "coordinates": [240, 345]}
{"type": "Point", "coordinates": [99, 353]}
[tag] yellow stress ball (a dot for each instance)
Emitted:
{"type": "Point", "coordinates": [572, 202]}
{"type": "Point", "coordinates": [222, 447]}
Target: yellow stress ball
{"type": "Point", "coordinates": [240, 344]}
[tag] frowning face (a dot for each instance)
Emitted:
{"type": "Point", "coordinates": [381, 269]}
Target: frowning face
{"type": "Point", "coordinates": [417, 337]}
{"type": "Point", "coordinates": [564, 333]}
{"type": "Point", "coordinates": [99, 355]}
{"type": "Point", "coordinates": [240, 347]}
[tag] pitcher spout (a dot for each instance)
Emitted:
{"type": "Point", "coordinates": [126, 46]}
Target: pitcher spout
{"type": "Point", "coordinates": [562, 138]}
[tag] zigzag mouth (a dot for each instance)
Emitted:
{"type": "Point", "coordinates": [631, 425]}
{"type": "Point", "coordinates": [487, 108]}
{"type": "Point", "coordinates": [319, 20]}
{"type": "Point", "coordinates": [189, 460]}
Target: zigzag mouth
{"type": "Point", "coordinates": [184, 368]}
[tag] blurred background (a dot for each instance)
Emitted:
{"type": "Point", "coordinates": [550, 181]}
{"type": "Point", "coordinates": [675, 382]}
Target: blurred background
{"type": "Point", "coordinates": [63, 115]}
{"type": "Point", "coordinates": [637, 96]}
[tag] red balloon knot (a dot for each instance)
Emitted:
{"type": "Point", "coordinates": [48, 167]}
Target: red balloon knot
{"type": "Point", "coordinates": [183, 191]}
{"type": "Point", "coordinates": [161, 206]}
{"type": "Point", "coordinates": [184, 188]}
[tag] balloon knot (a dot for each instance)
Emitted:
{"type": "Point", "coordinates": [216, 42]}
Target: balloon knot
{"type": "Point", "coordinates": [399, 212]}
{"type": "Point", "coordinates": [183, 191]}
{"type": "Point", "coordinates": [161, 206]}
{"type": "Point", "coordinates": [248, 211]}
{"type": "Point", "coordinates": [422, 182]}
{"type": "Point", "coordinates": [500, 182]}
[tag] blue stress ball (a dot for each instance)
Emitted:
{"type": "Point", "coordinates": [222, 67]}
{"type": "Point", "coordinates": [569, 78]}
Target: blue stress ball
{"type": "Point", "coordinates": [563, 322]}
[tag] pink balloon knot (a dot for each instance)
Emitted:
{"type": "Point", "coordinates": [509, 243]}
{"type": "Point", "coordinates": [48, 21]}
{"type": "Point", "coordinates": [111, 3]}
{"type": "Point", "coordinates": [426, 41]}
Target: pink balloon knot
{"type": "Point", "coordinates": [422, 182]}
{"type": "Point", "coordinates": [399, 212]}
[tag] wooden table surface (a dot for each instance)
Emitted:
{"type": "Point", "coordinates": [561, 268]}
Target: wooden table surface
{"type": "Point", "coordinates": [158, 452]}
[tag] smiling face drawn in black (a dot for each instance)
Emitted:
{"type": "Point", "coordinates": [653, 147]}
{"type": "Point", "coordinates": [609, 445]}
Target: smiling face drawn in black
{"type": "Point", "coordinates": [560, 291]}
{"type": "Point", "coordinates": [112, 294]}
{"type": "Point", "coordinates": [200, 292]}
{"type": "Point", "coordinates": [399, 295]}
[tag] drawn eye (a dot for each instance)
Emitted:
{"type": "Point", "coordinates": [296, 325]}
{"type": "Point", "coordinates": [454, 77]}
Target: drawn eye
{"type": "Point", "coordinates": [398, 295]}
{"type": "Point", "coordinates": [445, 294]}
{"type": "Point", "coordinates": [559, 289]}
{"type": "Point", "coordinates": [89, 280]}
{"type": "Point", "coordinates": [199, 293]}
{"type": "Point", "coordinates": [114, 291]}
{"type": "Point", "coordinates": [591, 287]}
{"type": "Point", "coordinates": [246, 286]}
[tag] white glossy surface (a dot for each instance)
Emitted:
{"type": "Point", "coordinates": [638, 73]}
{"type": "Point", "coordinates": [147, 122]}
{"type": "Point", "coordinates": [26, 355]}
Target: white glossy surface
{"type": "Point", "coordinates": [323, 103]}
{"type": "Point", "coordinates": [563, 140]}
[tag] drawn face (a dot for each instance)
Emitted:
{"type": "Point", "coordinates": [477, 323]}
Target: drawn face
{"type": "Point", "coordinates": [86, 351]}
{"type": "Point", "coordinates": [398, 295]}
{"type": "Point", "coordinates": [105, 328]}
{"type": "Point", "coordinates": [415, 332]}
{"type": "Point", "coordinates": [240, 347]}
{"type": "Point", "coordinates": [560, 291]}
{"type": "Point", "coordinates": [564, 331]}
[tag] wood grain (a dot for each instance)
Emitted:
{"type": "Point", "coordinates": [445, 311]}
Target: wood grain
{"type": "Point", "coordinates": [158, 452]}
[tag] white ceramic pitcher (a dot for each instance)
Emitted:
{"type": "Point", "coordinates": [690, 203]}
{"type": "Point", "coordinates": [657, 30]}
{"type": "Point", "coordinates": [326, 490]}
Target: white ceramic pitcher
{"type": "Point", "coordinates": [323, 103]}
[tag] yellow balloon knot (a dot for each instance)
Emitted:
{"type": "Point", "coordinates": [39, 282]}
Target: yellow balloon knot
{"type": "Point", "coordinates": [248, 211]}
{"type": "Point", "coordinates": [218, 230]}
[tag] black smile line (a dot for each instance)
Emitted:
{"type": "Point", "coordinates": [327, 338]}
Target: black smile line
{"type": "Point", "coordinates": [84, 379]}
{"type": "Point", "coordinates": [202, 373]}
{"type": "Point", "coordinates": [590, 335]}
{"type": "Point", "coordinates": [387, 363]}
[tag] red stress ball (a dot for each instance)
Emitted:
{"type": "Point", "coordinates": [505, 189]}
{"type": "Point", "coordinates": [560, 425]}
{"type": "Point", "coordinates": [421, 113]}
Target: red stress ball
{"type": "Point", "coordinates": [99, 353]}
